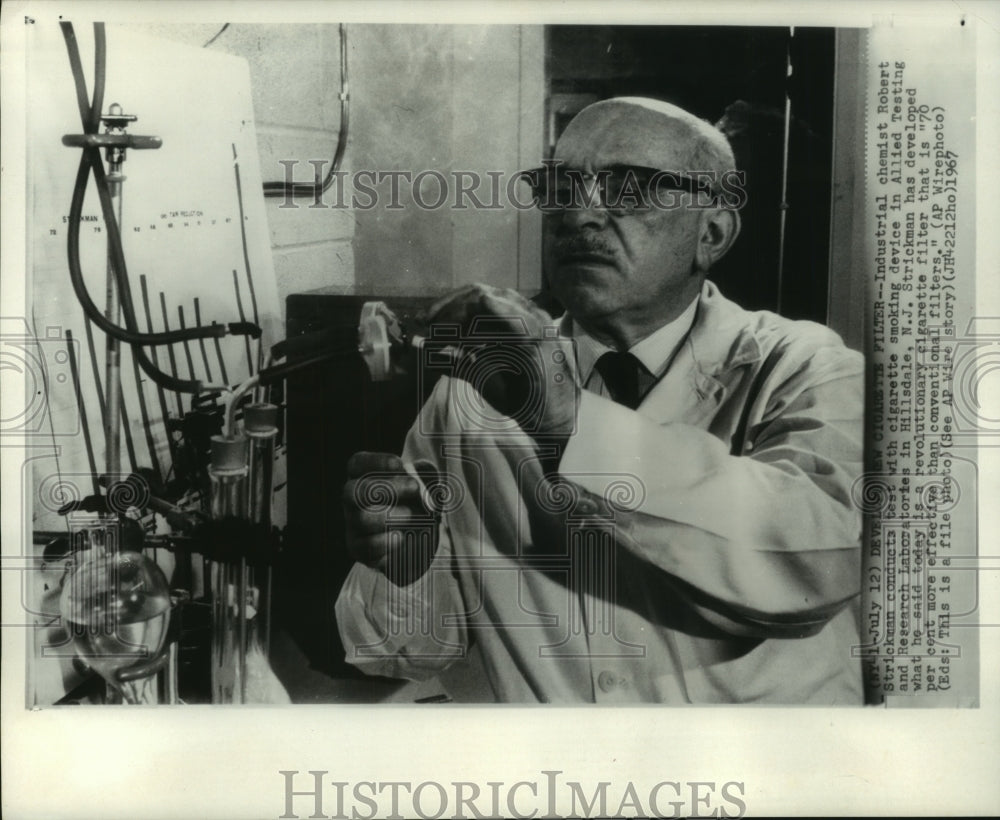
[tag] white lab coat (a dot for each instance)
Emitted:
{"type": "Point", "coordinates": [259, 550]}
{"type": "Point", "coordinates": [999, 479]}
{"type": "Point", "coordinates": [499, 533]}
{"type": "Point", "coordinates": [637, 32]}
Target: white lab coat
{"type": "Point", "coordinates": [704, 548]}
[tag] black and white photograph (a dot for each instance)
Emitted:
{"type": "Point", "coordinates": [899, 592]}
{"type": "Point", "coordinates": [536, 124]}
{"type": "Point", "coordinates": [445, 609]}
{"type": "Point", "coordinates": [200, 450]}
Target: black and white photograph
{"type": "Point", "coordinates": [445, 410]}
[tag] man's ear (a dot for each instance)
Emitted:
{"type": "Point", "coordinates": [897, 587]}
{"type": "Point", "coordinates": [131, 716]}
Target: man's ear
{"type": "Point", "coordinates": [719, 229]}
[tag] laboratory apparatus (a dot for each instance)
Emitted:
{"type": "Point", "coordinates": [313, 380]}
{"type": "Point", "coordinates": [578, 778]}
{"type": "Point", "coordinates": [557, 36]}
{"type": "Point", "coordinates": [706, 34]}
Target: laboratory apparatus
{"type": "Point", "coordinates": [139, 497]}
{"type": "Point", "coordinates": [171, 546]}
{"type": "Point", "coordinates": [228, 473]}
{"type": "Point", "coordinates": [115, 607]}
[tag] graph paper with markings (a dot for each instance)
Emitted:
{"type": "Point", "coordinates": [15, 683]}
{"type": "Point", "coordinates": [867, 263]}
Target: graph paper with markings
{"type": "Point", "coordinates": [194, 235]}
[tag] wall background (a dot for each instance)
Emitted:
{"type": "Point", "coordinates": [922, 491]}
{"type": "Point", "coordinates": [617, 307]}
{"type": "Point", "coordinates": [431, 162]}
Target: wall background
{"type": "Point", "coordinates": [421, 98]}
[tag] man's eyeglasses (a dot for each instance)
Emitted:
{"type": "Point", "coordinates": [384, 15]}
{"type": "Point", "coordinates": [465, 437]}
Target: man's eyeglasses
{"type": "Point", "coordinates": [619, 189]}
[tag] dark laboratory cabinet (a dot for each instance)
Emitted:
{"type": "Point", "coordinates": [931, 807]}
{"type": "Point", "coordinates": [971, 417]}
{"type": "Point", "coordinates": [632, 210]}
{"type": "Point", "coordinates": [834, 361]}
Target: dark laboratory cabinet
{"type": "Point", "coordinates": [332, 411]}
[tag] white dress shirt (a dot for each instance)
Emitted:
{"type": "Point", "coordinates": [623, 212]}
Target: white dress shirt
{"type": "Point", "coordinates": [655, 352]}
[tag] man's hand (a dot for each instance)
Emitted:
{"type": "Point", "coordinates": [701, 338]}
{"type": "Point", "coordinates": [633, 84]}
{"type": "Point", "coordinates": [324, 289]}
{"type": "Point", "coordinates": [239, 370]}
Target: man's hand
{"type": "Point", "coordinates": [521, 368]}
{"type": "Point", "coordinates": [379, 491]}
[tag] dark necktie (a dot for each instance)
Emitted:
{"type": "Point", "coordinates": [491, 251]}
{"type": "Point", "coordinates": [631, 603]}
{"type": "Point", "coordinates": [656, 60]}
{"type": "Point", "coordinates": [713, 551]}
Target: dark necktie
{"type": "Point", "coordinates": [620, 372]}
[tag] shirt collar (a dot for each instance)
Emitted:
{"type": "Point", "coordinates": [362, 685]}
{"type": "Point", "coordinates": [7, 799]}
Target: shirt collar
{"type": "Point", "coordinates": [655, 351]}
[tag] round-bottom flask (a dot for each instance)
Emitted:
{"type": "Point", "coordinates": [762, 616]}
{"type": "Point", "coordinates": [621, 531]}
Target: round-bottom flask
{"type": "Point", "coordinates": [116, 608]}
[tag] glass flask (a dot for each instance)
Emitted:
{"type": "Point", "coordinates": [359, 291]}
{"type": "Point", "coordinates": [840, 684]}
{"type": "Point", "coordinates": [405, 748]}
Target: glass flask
{"type": "Point", "coordinates": [115, 607]}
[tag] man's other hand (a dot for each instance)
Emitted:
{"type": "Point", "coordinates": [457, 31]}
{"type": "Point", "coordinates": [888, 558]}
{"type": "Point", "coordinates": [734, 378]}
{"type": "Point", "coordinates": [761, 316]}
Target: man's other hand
{"type": "Point", "coordinates": [380, 499]}
{"type": "Point", "coordinates": [539, 390]}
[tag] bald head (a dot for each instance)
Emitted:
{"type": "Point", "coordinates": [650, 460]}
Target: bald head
{"type": "Point", "coordinates": [624, 274]}
{"type": "Point", "coordinates": [642, 131]}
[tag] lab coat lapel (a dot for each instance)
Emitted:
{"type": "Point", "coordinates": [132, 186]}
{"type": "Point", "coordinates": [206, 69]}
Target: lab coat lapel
{"type": "Point", "coordinates": [706, 364]}
{"type": "Point", "coordinates": [683, 394]}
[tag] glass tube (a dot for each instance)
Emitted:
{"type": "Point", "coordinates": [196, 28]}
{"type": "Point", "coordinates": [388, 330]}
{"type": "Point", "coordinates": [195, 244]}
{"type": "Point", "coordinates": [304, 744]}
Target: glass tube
{"type": "Point", "coordinates": [91, 531]}
{"type": "Point", "coordinates": [228, 476]}
{"type": "Point", "coordinates": [92, 536]}
{"type": "Point", "coordinates": [260, 422]}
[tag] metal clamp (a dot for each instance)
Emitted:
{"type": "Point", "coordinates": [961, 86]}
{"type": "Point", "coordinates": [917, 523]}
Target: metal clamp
{"type": "Point", "coordinates": [114, 141]}
{"type": "Point", "coordinates": [111, 141]}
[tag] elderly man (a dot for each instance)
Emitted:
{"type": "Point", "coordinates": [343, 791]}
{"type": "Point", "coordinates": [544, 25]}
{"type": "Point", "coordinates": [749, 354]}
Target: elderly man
{"type": "Point", "coordinates": [657, 506]}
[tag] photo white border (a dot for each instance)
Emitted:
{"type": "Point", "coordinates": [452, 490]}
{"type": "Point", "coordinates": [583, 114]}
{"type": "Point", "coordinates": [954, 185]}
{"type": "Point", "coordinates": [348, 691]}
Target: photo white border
{"type": "Point", "coordinates": [211, 762]}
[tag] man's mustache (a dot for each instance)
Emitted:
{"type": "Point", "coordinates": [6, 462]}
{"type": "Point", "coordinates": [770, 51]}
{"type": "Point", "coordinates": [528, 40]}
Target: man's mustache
{"type": "Point", "coordinates": [580, 245]}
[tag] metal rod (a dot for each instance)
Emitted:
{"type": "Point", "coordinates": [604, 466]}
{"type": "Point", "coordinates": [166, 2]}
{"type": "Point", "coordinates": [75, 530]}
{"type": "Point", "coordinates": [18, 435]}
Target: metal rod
{"type": "Point", "coordinates": [126, 428]}
{"type": "Point", "coordinates": [172, 696]}
{"type": "Point", "coordinates": [784, 171]}
{"type": "Point", "coordinates": [75, 376]}
{"type": "Point", "coordinates": [185, 343]}
{"type": "Point", "coordinates": [160, 395]}
{"type": "Point", "coordinates": [243, 318]}
{"type": "Point", "coordinates": [96, 368]}
{"type": "Point", "coordinates": [147, 427]}
{"type": "Point", "coordinates": [201, 342]}
{"type": "Point", "coordinates": [241, 647]}
{"type": "Point", "coordinates": [112, 358]}
{"type": "Point", "coordinates": [221, 358]}
{"type": "Point", "coordinates": [246, 256]}
{"type": "Point", "coordinates": [170, 352]}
